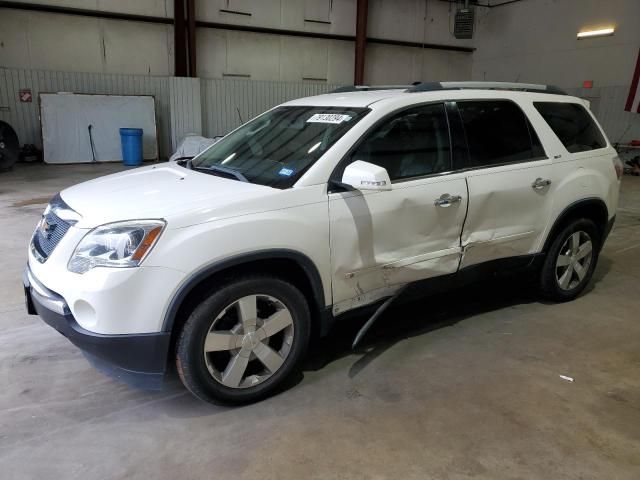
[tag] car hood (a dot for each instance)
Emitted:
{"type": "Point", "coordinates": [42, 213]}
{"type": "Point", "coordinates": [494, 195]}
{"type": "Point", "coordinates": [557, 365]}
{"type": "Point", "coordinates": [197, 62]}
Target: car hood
{"type": "Point", "coordinates": [183, 197]}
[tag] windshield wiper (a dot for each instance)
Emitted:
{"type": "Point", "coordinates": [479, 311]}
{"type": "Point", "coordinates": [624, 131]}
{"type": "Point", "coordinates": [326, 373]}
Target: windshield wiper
{"type": "Point", "coordinates": [218, 169]}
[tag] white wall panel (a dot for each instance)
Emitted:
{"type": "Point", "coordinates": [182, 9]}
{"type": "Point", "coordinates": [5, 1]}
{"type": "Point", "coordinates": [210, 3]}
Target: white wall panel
{"type": "Point", "coordinates": [535, 41]}
{"type": "Point", "coordinates": [225, 53]}
{"type": "Point", "coordinates": [389, 64]}
{"type": "Point", "coordinates": [402, 20]}
{"type": "Point", "coordinates": [253, 54]}
{"type": "Point", "coordinates": [303, 58]}
{"type": "Point", "coordinates": [285, 14]}
{"type": "Point", "coordinates": [60, 42]}
{"type": "Point", "coordinates": [318, 10]}
{"type": "Point", "coordinates": [413, 21]}
{"type": "Point", "coordinates": [212, 52]}
{"type": "Point", "coordinates": [14, 37]}
{"type": "Point", "coordinates": [154, 8]}
{"type": "Point", "coordinates": [343, 17]}
{"type": "Point", "coordinates": [71, 43]}
{"type": "Point", "coordinates": [137, 49]}
{"type": "Point", "coordinates": [341, 61]}
{"type": "Point", "coordinates": [23, 117]}
{"type": "Point", "coordinates": [265, 13]}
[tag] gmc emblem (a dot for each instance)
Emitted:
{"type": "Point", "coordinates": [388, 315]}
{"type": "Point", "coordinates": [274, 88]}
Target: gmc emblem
{"type": "Point", "coordinates": [46, 229]}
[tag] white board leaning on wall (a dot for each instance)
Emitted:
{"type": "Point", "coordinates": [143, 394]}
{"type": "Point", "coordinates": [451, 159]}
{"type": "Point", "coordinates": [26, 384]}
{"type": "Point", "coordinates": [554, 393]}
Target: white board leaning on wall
{"type": "Point", "coordinates": [65, 120]}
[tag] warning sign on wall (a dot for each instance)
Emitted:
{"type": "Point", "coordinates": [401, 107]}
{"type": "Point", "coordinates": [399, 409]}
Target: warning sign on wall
{"type": "Point", "coordinates": [25, 95]}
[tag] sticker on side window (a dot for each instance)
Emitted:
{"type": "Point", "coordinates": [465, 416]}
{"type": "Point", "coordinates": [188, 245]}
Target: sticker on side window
{"type": "Point", "coordinates": [329, 118]}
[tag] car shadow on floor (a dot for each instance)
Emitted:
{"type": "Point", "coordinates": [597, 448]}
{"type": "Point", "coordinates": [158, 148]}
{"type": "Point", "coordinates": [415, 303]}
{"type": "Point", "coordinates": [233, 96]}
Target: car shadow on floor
{"type": "Point", "coordinates": [414, 318]}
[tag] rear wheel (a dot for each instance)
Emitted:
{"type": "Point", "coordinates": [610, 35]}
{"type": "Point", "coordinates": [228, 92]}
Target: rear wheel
{"type": "Point", "coordinates": [240, 344]}
{"type": "Point", "coordinates": [571, 260]}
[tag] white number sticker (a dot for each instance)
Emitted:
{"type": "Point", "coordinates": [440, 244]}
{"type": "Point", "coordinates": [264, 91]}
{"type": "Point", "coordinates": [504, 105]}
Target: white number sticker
{"type": "Point", "coordinates": [329, 118]}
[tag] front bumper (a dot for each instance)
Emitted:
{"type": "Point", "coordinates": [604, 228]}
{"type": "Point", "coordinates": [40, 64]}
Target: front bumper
{"type": "Point", "coordinates": [138, 359]}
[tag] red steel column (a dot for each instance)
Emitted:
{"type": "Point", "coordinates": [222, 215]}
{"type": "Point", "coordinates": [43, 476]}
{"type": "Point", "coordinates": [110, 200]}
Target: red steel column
{"type": "Point", "coordinates": [191, 36]}
{"type": "Point", "coordinates": [361, 40]}
{"type": "Point", "coordinates": [179, 39]}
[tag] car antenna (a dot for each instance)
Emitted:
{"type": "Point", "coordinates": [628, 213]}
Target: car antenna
{"type": "Point", "coordinates": [365, 328]}
{"type": "Point", "coordinates": [239, 116]}
{"type": "Point", "coordinates": [93, 147]}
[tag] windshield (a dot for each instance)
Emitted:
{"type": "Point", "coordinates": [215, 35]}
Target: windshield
{"type": "Point", "coordinates": [276, 148]}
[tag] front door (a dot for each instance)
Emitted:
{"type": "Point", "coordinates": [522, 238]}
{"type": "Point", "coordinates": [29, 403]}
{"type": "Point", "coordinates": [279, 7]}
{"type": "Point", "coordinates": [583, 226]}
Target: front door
{"type": "Point", "coordinates": [381, 240]}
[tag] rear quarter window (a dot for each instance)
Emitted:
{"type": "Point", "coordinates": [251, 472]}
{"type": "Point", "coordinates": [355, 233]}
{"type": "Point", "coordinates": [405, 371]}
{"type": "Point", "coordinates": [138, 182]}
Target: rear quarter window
{"type": "Point", "coordinates": [572, 124]}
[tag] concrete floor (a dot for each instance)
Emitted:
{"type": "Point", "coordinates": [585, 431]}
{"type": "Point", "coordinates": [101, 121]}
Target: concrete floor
{"type": "Point", "coordinates": [461, 386]}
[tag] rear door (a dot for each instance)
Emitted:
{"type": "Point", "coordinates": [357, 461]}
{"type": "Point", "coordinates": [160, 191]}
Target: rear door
{"type": "Point", "coordinates": [383, 239]}
{"type": "Point", "coordinates": [510, 181]}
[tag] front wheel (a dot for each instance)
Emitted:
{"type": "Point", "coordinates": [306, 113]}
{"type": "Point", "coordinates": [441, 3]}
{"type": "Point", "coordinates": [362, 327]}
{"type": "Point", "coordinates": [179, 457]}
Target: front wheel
{"type": "Point", "coordinates": [570, 261]}
{"type": "Point", "coordinates": [242, 342]}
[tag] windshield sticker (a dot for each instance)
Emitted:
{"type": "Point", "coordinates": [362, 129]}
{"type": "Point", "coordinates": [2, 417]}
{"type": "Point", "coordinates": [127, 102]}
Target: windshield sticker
{"type": "Point", "coordinates": [286, 172]}
{"type": "Point", "coordinates": [329, 118]}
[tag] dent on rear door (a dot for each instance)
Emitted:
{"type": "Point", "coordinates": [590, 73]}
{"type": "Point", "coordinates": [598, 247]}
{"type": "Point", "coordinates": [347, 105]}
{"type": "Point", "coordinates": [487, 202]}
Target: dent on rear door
{"type": "Point", "coordinates": [506, 215]}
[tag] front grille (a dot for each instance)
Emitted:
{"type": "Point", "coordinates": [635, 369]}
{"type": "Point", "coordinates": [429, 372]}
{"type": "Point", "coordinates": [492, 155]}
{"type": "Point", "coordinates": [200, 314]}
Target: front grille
{"type": "Point", "coordinates": [50, 231]}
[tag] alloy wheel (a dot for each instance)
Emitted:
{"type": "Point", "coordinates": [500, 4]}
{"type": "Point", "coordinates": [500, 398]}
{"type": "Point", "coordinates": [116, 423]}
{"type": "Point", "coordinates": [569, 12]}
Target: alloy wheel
{"type": "Point", "coordinates": [574, 260]}
{"type": "Point", "coordinates": [249, 341]}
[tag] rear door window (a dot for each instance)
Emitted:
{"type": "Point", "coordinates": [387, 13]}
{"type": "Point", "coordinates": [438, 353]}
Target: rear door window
{"type": "Point", "coordinates": [498, 132]}
{"type": "Point", "coordinates": [572, 124]}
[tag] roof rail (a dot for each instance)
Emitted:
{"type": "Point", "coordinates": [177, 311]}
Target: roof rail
{"type": "Point", "coordinates": [522, 87]}
{"type": "Point", "coordinates": [366, 88]}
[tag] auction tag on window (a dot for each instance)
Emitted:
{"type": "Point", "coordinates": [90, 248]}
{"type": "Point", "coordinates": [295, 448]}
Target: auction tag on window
{"type": "Point", "coordinates": [286, 172]}
{"type": "Point", "coordinates": [329, 118]}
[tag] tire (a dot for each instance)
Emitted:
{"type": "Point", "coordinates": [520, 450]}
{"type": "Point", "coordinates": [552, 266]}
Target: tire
{"type": "Point", "coordinates": [247, 358]}
{"type": "Point", "coordinates": [567, 269]}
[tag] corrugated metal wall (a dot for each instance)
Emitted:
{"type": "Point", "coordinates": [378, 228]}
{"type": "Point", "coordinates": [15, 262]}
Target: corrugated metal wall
{"type": "Point", "coordinates": [223, 98]}
{"type": "Point", "coordinates": [183, 105]}
{"type": "Point", "coordinates": [607, 104]}
{"type": "Point", "coordinates": [186, 108]}
{"type": "Point", "coordinates": [24, 117]}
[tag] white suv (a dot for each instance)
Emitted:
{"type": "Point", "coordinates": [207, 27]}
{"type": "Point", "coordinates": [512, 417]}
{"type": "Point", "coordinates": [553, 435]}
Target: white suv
{"type": "Point", "coordinates": [230, 262]}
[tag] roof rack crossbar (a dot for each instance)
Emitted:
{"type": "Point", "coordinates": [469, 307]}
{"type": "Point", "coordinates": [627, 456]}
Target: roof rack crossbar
{"type": "Point", "coordinates": [522, 87]}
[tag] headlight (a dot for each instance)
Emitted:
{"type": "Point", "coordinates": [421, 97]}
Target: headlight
{"type": "Point", "coordinates": [120, 245]}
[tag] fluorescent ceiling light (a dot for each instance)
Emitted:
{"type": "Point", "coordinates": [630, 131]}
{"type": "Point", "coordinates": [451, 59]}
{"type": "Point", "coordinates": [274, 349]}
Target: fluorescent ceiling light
{"type": "Point", "coordinates": [596, 33]}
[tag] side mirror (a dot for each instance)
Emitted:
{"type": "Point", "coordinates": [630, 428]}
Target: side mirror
{"type": "Point", "coordinates": [366, 176]}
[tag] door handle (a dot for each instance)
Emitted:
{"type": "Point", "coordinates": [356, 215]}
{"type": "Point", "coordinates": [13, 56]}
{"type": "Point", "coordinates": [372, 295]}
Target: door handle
{"type": "Point", "coordinates": [446, 200]}
{"type": "Point", "coordinates": [540, 183]}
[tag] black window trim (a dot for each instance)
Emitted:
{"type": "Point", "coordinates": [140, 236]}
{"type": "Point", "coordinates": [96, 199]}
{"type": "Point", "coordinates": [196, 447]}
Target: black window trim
{"type": "Point", "coordinates": [454, 105]}
{"type": "Point", "coordinates": [336, 185]}
{"type": "Point", "coordinates": [450, 106]}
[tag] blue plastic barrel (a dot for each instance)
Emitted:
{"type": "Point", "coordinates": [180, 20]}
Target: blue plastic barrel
{"type": "Point", "coordinates": [131, 140]}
